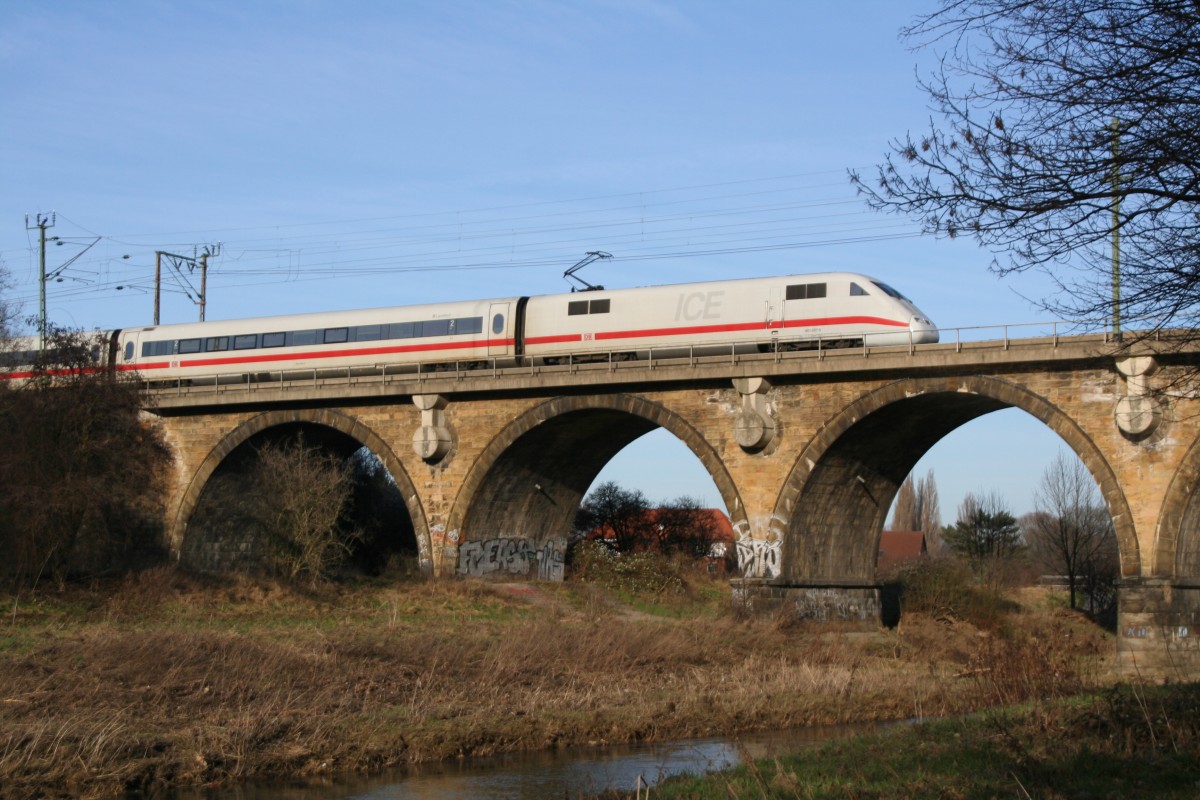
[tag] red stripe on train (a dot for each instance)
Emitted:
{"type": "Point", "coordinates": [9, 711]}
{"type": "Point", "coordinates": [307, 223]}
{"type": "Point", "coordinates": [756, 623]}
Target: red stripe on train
{"type": "Point", "coordinates": [733, 327]}
{"type": "Point", "coordinates": [198, 362]}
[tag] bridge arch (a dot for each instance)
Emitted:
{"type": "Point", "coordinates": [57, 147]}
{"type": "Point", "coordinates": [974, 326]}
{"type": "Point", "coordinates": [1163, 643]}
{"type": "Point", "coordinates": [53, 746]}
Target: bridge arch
{"type": "Point", "coordinates": [528, 482]}
{"type": "Point", "coordinates": [322, 417]}
{"type": "Point", "coordinates": [1177, 538]}
{"type": "Point", "coordinates": [832, 507]}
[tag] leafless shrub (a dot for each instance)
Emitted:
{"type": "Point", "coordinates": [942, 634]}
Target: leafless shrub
{"type": "Point", "coordinates": [946, 589]}
{"type": "Point", "coordinates": [81, 470]}
{"type": "Point", "coordinates": [281, 508]}
{"type": "Point", "coordinates": [301, 494]}
{"type": "Point", "coordinates": [1014, 669]}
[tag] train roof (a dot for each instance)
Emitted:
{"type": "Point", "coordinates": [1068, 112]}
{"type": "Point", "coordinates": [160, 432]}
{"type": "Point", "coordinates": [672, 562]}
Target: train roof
{"type": "Point", "coordinates": [450, 307]}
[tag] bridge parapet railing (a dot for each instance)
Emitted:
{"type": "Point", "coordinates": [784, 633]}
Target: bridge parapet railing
{"type": "Point", "coordinates": [959, 339]}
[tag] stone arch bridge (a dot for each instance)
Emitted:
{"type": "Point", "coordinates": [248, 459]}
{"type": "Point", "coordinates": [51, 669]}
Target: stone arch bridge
{"type": "Point", "coordinates": [807, 450]}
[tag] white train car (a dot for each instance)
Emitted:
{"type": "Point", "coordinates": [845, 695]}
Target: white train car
{"type": "Point", "coordinates": [21, 357]}
{"type": "Point", "coordinates": [323, 343]}
{"type": "Point", "coordinates": [17, 355]}
{"type": "Point", "coordinates": [836, 309]}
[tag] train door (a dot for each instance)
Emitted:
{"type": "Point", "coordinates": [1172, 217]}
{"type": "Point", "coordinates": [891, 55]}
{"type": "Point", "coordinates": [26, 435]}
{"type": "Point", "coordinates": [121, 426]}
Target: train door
{"type": "Point", "coordinates": [775, 308]}
{"type": "Point", "coordinates": [498, 340]}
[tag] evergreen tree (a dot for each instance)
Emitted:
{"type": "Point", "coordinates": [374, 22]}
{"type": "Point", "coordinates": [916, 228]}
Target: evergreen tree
{"type": "Point", "coordinates": [986, 534]}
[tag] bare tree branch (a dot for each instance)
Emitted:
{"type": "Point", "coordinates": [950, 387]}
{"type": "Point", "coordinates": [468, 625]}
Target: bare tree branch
{"type": "Point", "coordinates": [1046, 111]}
{"type": "Point", "coordinates": [1073, 532]}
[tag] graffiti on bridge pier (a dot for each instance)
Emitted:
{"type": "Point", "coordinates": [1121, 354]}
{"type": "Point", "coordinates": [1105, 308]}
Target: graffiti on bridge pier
{"type": "Point", "coordinates": [515, 555]}
{"type": "Point", "coordinates": [759, 559]}
{"type": "Point", "coordinates": [825, 605]}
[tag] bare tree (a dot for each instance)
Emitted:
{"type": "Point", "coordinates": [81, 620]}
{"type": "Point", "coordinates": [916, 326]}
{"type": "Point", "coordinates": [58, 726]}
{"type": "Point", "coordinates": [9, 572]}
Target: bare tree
{"type": "Point", "coordinates": [917, 510]}
{"type": "Point", "coordinates": [1072, 533]}
{"type": "Point", "coordinates": [929, 514]}
{"type": "Point", "coordinates": [298, 496]}
{"type": "Point", "coordinates": [904, 512]}
{"type": "Point", "coordinates": [8, 310]}
{"type": "Point", "coordinates": [686, 527]}
{"type": "Point", "coordinates": [1061, 125]}
{"type": "Point", "coordinates": [619, 512]}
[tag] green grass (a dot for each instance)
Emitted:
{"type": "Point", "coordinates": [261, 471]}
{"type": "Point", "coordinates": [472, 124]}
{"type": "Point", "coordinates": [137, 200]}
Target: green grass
{"type": "Point", "coordinates": [1130, 742]}
{"type": "Point", "coordinates": [19, 644]}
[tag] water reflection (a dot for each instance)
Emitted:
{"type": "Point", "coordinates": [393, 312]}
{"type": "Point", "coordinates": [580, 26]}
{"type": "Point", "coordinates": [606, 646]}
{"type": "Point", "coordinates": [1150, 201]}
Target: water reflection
{"type": "Point", "coordinates": [569, 773]}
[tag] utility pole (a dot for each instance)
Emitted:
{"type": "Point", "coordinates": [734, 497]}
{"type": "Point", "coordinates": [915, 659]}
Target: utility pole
{"type": "Point", "coordinates": [177, 262]}
{"type": "Point", "coordinates": [209, 250]}
{"type": "Point", "coordinates": [1116, 229]}
{"type": "Point", "coordinates": [157, 282]}
{"type": "Point", "coordinates": [42, 223]}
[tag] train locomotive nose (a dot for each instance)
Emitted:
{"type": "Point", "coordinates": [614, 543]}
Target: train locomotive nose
{"type": "Point", "coordinates": [922, 329]}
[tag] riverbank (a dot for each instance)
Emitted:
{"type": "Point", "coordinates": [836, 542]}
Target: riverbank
{"type": "Point", "coordinates": [1131, 741]}
{"type": "Point", "coordinates": [166, 680]}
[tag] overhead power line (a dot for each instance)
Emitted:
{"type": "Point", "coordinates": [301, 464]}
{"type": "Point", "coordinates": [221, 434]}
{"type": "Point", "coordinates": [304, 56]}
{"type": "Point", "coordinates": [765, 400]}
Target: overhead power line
{"type": "Point", "coordinates": [737, 217]}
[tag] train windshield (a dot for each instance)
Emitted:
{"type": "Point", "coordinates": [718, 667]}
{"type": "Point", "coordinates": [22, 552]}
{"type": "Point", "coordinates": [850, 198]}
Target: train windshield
{"type": "Point", "coordinates": [890, 291]}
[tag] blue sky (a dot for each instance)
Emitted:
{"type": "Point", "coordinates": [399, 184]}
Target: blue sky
{"type": "Point", "coordinates": [356, 154]}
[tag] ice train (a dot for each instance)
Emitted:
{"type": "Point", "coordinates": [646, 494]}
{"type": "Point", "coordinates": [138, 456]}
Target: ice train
{"type": "Point", "coordinates": [836, 309]}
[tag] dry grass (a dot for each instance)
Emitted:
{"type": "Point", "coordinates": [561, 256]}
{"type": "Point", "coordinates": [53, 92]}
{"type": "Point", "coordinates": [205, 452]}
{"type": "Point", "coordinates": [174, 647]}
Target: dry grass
{"type": "Point", "coordinates": [169, 680]}
{"type": "Point", "coordinates": [1127, 741]}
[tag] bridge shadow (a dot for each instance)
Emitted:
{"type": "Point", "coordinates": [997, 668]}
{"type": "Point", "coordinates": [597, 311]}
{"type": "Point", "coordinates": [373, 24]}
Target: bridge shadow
{"type": "Point", "coordinates": [834, 505]}
{"type": "Point", "coordinates": [524, 492]}
{"type": "Point", "coordinates": [225, 531]}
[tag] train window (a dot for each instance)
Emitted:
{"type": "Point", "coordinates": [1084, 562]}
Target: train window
{"type": "Point", "coordinates": [401, 330]}
{"type": "Point", "coordinates": [216, 343]}
{"type": "Point", "coordinates": [469, 325]}
{"type": "Point", "coordinates": [247, 341]}
{"type": "Point", "coordinates": [368, 333]}
{"type": "Point", "coordinates": [189, 345]}
{"type": "Point", "coordinates": [336, 335]}
{"type": "Point", "coordinates": [298, 338]}
{"type": "Point", "coordinates": [129, 351]}
{"type": "Point", "coordinates": [274, 339]}
{"type": "Point", "coordinates": [890, 291]}
{"type": "Point", "coordinates": [856, 290]}
{"type": "Point", "coordinates": [20, 358]}
{"type": "Point", "coordinates": [160, 348]}
{"type": "Point", "coordinates": [577, 307]}
{"type": "Point", "coordinates": [498, 323]}
{"type": "Point", "coordinates": [436, 327]}
{"type": "Point", "coordinates": [805, 291]}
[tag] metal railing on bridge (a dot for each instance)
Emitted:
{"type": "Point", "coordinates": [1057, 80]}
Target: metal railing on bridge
{"type": "Point", "coordinates": [1037, 334]}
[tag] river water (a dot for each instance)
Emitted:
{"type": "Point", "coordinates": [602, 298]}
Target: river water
{"type": "Point", "coordinates": [567, 773]}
